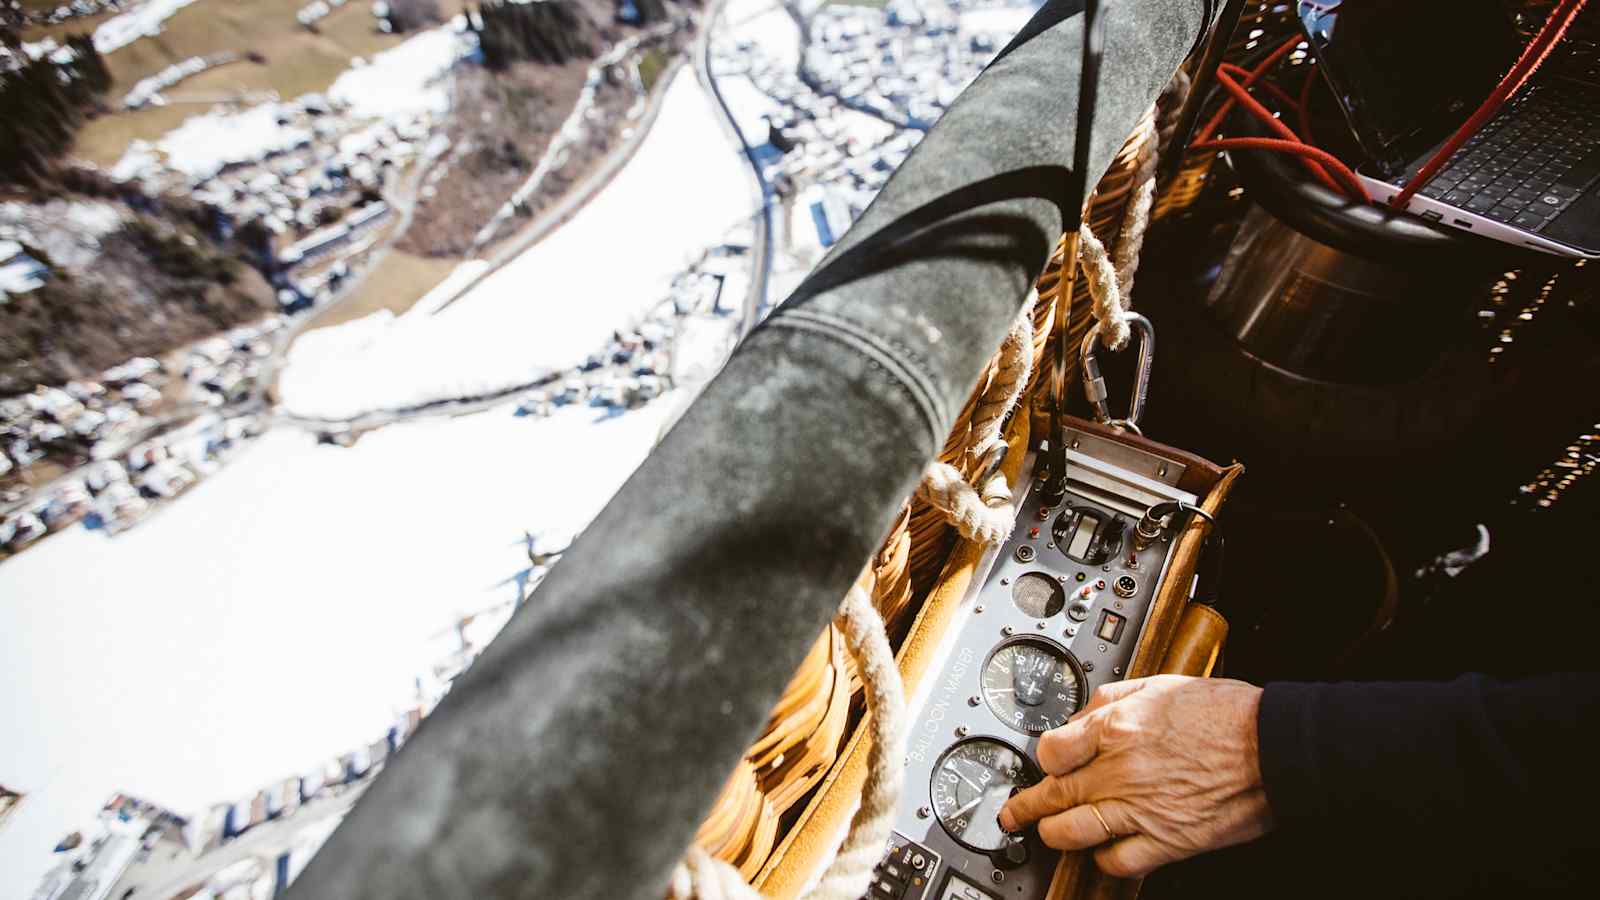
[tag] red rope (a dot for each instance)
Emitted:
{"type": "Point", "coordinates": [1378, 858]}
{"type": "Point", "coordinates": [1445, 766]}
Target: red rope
{"type": "Point", "coordinates": [1251, 104]}
{"type": "Point", "coordinates": [1222, 113]}
{"type": "Point", "coordinates": [1532, 57]}
{"type": "Point", "coordinates": [1305, 104]}
{"type": "Point", "coordinates": [1351, 183]}
{"type": "Point", "coordinates": [1287, 99]}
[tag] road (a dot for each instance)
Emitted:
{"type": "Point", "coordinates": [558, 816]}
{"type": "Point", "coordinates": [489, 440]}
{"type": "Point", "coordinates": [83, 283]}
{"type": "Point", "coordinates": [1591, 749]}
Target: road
{"type": "Point", "coordinates": [761, 262]}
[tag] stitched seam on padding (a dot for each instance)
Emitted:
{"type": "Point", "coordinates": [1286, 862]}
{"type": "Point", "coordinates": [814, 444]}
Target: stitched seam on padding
{"type": "Point", "coordinates": [871, 347]}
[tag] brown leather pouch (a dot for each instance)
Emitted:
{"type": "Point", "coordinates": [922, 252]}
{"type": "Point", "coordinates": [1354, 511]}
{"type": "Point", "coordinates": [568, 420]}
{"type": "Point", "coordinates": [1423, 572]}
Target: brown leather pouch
{"type": "Point", "coordinates": [1180, 637]}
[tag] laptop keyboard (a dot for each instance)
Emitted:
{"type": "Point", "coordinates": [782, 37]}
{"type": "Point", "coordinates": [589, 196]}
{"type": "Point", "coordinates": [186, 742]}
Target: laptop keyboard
{"type": "Point", "coordinates": [1530, 162]}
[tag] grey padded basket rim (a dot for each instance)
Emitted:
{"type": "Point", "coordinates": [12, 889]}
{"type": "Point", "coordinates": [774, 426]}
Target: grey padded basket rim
{"type": "Point", "coordinates": [578, 756]}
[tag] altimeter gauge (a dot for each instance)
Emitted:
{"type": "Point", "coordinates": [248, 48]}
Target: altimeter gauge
{"type": "Point", "coordinates": [971, 781]}
{"type": "Point", "coordinates": [1033, 684]}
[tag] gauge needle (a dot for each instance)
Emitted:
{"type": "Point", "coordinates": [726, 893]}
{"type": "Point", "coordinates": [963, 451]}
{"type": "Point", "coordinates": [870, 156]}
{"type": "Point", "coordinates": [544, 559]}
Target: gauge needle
{"type": "Point", "coordinates": [965, 809]}
{"type": "Point", "coordinates": [994, 690]}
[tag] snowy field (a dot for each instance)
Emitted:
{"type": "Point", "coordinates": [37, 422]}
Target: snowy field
{"type": "Point", "coordinates": [407, 79]}
{"type": "Point", "coordinates": [1002, 20]}
{"type": "Point", "coordinates": [277, 615]}
{"type": "Point", "coordinates": [765, 24]}
{"type": "Point", "coordinates": [141, 21]}
{"type": "Point", "coordinates": [401, 83]}
{"type": "Point", "coordinates": [559, 301]}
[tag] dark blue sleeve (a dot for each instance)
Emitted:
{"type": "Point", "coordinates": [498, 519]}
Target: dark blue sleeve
{"type": "Point", "coordinates": [1473, 776]}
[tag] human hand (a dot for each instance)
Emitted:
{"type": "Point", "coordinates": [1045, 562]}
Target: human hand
{"type": "Point", "coordinates": [1169, 762]}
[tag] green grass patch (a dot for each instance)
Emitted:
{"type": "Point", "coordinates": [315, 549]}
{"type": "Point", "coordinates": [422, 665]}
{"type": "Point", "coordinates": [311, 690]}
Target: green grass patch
{"type": "Point", "coordinates": [651, 65]}
{"type": "Point", "coordinates": [398, 282]}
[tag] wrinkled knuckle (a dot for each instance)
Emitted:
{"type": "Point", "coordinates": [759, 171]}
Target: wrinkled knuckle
{"type": "Point", "coordinates": [1119, 725]}
{"type": "Point", "coordinates": [1060, 793]}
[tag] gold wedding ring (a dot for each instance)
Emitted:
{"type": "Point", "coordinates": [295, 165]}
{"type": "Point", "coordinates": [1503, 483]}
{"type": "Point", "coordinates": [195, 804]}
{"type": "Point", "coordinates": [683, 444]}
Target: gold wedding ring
{"type": "Point", "coordinates": [1110, 835]}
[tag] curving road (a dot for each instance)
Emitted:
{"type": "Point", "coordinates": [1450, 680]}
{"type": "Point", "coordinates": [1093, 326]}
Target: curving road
{"type": "Point", "coordinates": [761, 260]}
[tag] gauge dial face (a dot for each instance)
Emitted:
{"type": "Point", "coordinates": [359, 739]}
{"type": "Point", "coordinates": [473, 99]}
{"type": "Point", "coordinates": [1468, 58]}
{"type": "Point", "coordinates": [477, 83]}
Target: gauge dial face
{"type": "Point", "coordinates": [1033, 684]}
{"type": "Point", "coordinates": [972, 780]}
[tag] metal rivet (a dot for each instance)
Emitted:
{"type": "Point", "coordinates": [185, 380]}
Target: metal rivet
{"type": "Point", "coordinates": [1117, 604]}
{"type": "Point", "coordinates": [1043, 625]}
{"type": "Point", "coordinates": [1102, 648]}
{"type": "Point", "coordinates": [1070, 630]}
{"type": "Point", "coordinates": [974, 700]}
{"type": "Point", "coordinates": [1116, 670]}
{"type": "Point", "coordinates": [978, 608]}
{"type": "Point", "coordinates": [1008, 631]}
{"type": "Point", "coordinates": [997, 876]}
{"type": "Point", "coordinates": [1005, 581]}
{"type": "Point", "coordinates": [1051, 545]}
{"type": "Point", "coordinates": [923, 812]}
{"type": "Point", "coordinates": [1061, 578]}
{"type": "Point", "coordinates": [1105, 568]}
{"type": "Point", "coordinates": [961, 731]}
{"type": "Point", "coordinates": [1088, 665]}
{"type": "Point", "coordinates": [1074, 443]}
{"type": "Point", "coordinates": [1162, 472]}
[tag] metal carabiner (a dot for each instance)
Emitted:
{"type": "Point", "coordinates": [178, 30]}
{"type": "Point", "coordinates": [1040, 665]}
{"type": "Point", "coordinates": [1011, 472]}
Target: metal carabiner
{"type": "Point", "coordinates": [1094, 384]}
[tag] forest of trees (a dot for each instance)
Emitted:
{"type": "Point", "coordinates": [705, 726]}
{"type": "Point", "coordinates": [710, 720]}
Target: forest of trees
{"type": "Point", "coordinates": [550, 32]}
{"type": "Point", "coordinates": [42, 103]}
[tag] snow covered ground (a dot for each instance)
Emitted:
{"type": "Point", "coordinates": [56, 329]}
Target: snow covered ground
{"type": "Point", "coordinates": [557, 302]}
{"type": "Point", "coordinates": [277, 615]}
{"type": "Point", "coordinates": [400, 84]}
{"type": "Point", "coordinates": [765, 24]}
{"type": "Point", "coordinates": [1000, 20]}
{"type": "Point", "coordinates": [204, 144]}
{"type": "Point", "coordinates": [141, 21]}
{"type": "Point", "coordinates": [405, 80]}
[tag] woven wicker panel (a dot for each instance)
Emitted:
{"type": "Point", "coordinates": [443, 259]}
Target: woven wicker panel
{"type": "Point", "coordinates": [813, 718]}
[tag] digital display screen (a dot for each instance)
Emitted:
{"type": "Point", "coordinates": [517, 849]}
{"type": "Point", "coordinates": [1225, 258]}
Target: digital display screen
{"type": "Point", "coordinates": [1409, 72]}
{"type": "Point", "coordinates": [1082, 534]}
{"type": "Point", "coordinates": [958, 888]}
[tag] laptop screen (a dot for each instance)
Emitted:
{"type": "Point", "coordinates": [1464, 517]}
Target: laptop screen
{"type": "Point", "coordinates": [1409, 72]}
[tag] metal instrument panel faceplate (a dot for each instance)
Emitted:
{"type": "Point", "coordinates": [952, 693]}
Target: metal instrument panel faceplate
{"type": "Point", "coordinates": [951, 706]}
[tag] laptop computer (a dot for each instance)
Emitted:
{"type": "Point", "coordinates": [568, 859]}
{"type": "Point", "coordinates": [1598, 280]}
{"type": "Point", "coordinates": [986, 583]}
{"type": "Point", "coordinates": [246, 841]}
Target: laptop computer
{"type": "Point", "coordinates": [1408, 73]}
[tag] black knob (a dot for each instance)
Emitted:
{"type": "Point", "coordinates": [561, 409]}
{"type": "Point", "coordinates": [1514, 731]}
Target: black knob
{"type": "Point", "coordinates": [1012, 855]}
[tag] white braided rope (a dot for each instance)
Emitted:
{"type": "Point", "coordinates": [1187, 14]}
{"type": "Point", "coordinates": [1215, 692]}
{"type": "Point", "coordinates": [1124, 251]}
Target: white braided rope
{"type": "Point", "coordinates": [847, 877]}
{"type": "Point", "coordinates": [1011, 376]}
{"type": "Point", "coordinates": [701, 876]}
{"type": "Point", "coordinates": [1100, 275]}
{"type": "Point", "coordinates": [983, 513]}
{"type": "Point", "coordinates": [1110, 277]}
{"type": "Point", "coordinates": [1136, 216]}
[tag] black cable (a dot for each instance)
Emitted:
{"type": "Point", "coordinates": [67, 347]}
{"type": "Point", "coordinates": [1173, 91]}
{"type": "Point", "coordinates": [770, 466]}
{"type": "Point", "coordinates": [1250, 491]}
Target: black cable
{"type": "Point", "coordinates": [1204, 80]}
{"type": "Point", "coordinates": [1093, 48]}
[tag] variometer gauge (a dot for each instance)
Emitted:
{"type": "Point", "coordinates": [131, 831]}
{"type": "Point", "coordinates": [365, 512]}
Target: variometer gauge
{"type": "Point", "coordinates": [971, 781]}
{"type": "Point", "coordinates": [1033, 684]}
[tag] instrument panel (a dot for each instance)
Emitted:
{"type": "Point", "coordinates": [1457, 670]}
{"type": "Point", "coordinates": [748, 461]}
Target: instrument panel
{"type": "Point", "coordinates": [1056, 611]}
